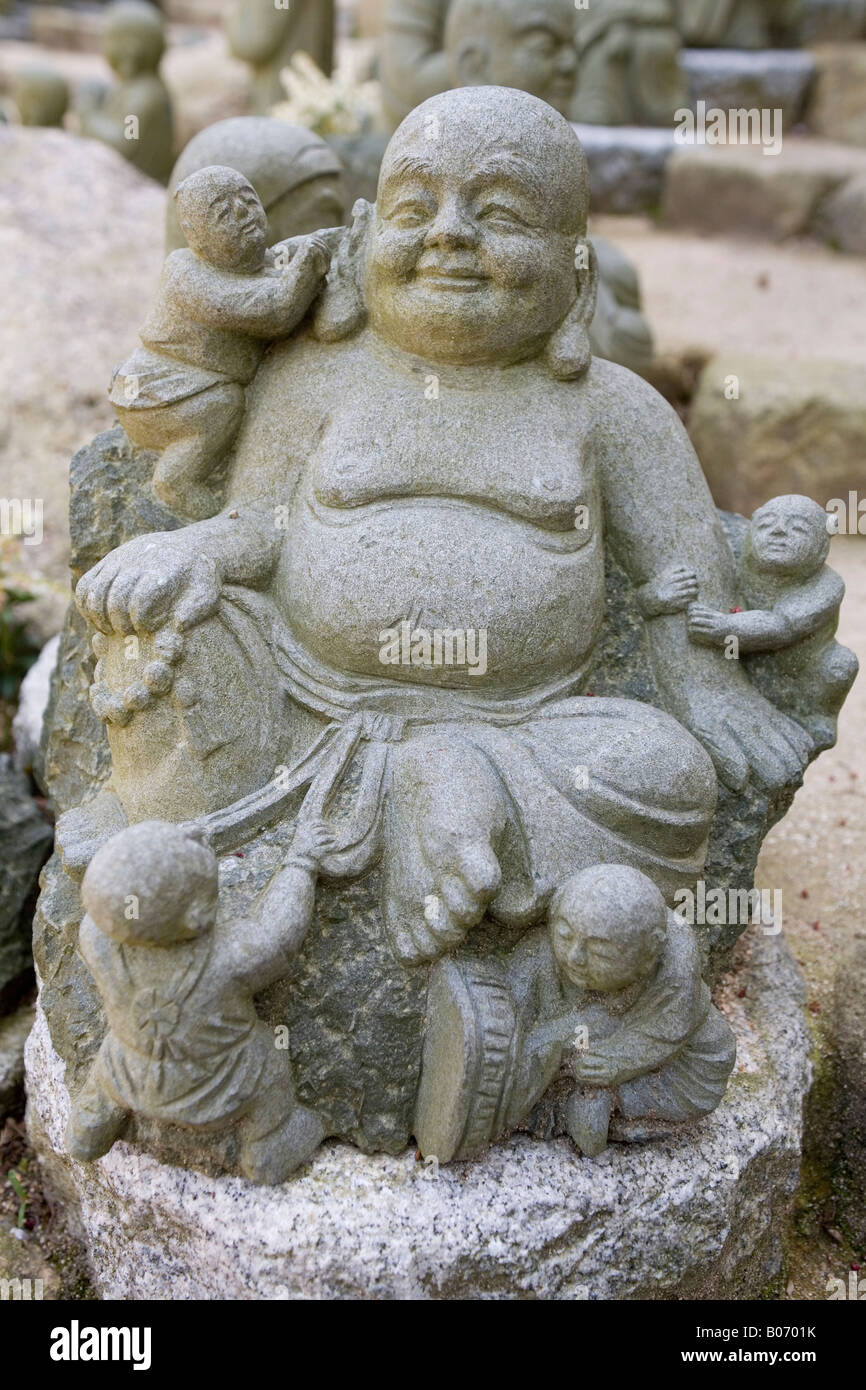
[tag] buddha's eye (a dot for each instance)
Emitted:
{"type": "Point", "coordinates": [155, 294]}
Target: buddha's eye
{"type": "Point", "coordinates": [410, 214]}
{"type": "Point", "coordinates": [501, 215]}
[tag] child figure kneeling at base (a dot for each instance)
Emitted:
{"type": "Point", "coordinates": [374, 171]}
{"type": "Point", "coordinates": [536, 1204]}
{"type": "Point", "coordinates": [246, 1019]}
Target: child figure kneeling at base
{"type": "Point", "coordinates": [657, 1051]}
{"type": "Point", "coordinates": [184, 1043]}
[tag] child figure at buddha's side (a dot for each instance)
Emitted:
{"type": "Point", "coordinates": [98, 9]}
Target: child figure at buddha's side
{"type": "Point", "coordinates": [640, 1037]}
{"type": "Point", "coordinates": [184, 1043]}
{"type": "Point", "coordinates": [787, 631]}
{"type": "Point", "coordinates": [218, 304]}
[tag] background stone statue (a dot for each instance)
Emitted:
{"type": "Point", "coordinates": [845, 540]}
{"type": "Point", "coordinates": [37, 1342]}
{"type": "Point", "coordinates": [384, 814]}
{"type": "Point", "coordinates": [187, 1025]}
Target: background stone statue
{"type": "Point", "coordinates": [512, 43]}
{"type": "Point", "coordinates": [41, 96]}
{"type": "Point", "coordinates": [432, 471]}
{"type": "Point", "coordinates": [629, 71]}
{"type": "Point", "coordinates": [265, 35]}
{"type": "Point", "coordinates": [413, 65]}
{"type": "Point", "coordinates": [135, 115]}
{"type": "Point", "coordinates": [295, 173]}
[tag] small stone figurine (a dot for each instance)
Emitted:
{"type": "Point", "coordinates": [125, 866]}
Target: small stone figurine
{"type": "Point", "coordinates": [184, 1043]}
{"type": "Point", "coordinates": [641, 1039]}
{"type": "Point", "coordinates": [787, 633]}
{"type": "Point", "coordinates": [135, 116]}
{"type": "Point", "coordinates": [629, 63]}
{"type": "Point", "coordinates": [606, 1006]}
{"type": "Point", "coordinates": [41, 96]}
{"type": "Point", "coordinates": [218, 304]}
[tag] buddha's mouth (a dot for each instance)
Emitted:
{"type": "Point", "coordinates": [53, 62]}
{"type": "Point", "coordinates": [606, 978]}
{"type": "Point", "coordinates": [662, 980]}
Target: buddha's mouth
{"type": "Point", "coordinates": [451, 277]}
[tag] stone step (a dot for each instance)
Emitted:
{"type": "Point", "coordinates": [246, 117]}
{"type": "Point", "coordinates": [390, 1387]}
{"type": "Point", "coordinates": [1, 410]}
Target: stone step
{"type": "Point", "coordinates": [730, 78]}
{"type": "Point", "coordinates": [763, 427]}
{"type": "Point", "coordinates": [739, 190]}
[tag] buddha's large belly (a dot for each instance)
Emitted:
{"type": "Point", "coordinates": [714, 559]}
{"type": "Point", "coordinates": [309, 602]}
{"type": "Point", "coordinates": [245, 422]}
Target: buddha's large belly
{"type": "Point", "coordinates": [443, 592]}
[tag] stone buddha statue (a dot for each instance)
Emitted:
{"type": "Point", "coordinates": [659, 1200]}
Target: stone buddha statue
{"type": "Point", "coordinates": [399, 624]}
{"type": "Point", "coordinates": [629, 63]}
{"type": "Point", "coordinates": [266, 35]}
{"type": "Point", "coordinates": [41, 96]}
{"type": "Point", "coordinates": [134, 116]}
{"type": "Point", "coordinates": [295, 173]}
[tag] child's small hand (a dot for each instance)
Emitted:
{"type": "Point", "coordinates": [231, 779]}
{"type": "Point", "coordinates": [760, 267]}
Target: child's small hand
{"type": "Point", "coordinates": [707, 624]}
{"type": "Point", "coordinates": [595, 1069]}
{"type": "Point", "coordinates": [313, 840]}
{"type": "Point", "coordinates": [677, 588]}
{"type": "Point", "coordinates": [672, 592]}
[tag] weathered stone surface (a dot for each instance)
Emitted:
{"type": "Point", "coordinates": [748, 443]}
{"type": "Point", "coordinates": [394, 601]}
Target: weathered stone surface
{"type": "Point", "coordinates": [626, 164]}
{"type": "Point", "coordinates": [696, 1217]}
{"type": "Point", "coordinates": [796, 427]}
{"type": "Point", "coordinates": [25, 843]}
{"type": "Point", "coordinates": [836, 108]}
{"type": "Point", "coordinates": [33, 697]}
{"type": "Point", "coordinates": [778, 79]}
{"type": "Point", "coordinates": [737, 189]}
{"type": "Point", "coordinates": [849, 1035]}
{"type": "Point", "coordinates": [450, 811]}
{"type": "Point", "coordinates": [841, 218]}
{"type": "Point", "coordinates": [13, 1035]}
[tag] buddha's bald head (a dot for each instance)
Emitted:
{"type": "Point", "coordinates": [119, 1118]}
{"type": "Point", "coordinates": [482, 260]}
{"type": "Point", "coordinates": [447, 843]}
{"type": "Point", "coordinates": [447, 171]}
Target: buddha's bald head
{"type": "Point", "coordinates": [528, 44]}
{"type": "Point", "coordinates": [483, 199]}
{"type": "Point", "coordinates": [497, 130]}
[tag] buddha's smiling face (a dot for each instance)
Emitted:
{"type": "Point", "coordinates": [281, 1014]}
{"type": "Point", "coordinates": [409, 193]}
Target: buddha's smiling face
{"type": "Point", "coordinates": [472, 252]}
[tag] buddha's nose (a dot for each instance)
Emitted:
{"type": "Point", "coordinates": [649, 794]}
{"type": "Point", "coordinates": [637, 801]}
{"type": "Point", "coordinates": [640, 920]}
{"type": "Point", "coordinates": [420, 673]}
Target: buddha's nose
{"type": "Point", "coordinates": [566, 61]}
{"type": "Point", "coordinates": [451, 227]}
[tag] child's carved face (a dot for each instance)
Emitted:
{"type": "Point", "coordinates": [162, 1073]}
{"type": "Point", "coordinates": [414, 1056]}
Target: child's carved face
{"type": "Point", "coordinates": [789, 536]}
{"type": "Point", "coordinates": [223, 219]}
{"type": "Point", "coordinates": [606, 958]}
{"type": "Point", "coordinates": [607, 927]}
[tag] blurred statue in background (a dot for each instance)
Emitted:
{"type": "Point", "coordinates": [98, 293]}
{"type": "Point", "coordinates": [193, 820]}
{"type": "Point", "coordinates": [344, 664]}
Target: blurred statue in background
{"type": "Point", "coordinates": [629, 63]}
{"type": "Point", "coordinates": [512, 43]}
{"type": "Point", "coordinates": [266, 34]}
{"type": "Point", "coordinates": [41, 96]}
{"type": "Point", "coordinates": [135, 115]}
{"type": "Point", "coordinates": [295, 173]}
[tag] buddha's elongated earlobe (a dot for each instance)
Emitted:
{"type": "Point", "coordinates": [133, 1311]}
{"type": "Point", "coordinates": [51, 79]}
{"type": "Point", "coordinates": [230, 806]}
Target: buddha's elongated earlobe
{"type": "Point", "coordinates": [569, 352]}
{"type": "Point", "coordinates": [341, 311]}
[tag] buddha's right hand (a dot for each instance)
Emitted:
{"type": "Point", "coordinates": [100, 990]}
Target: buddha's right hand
{"type": "Point", "coordinates": [150, 581]}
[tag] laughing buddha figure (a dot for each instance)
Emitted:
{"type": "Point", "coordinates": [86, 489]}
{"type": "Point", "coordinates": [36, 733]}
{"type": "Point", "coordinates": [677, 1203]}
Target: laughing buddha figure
{"type": "Point", "coordinates": [437, 446]}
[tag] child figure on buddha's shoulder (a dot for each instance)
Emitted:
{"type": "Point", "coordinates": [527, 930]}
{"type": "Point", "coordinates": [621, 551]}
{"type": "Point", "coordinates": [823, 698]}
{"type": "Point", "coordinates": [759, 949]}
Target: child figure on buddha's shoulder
{"type": "Point", "coordinates": [218, 304]}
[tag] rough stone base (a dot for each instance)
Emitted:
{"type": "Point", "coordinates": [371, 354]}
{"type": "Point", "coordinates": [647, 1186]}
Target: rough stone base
{"type": "Point", "coordinates": [697, 1216]}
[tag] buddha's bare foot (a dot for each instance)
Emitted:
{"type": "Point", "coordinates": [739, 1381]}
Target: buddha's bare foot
{"type": "Point", "coordinates": [447, 816]}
